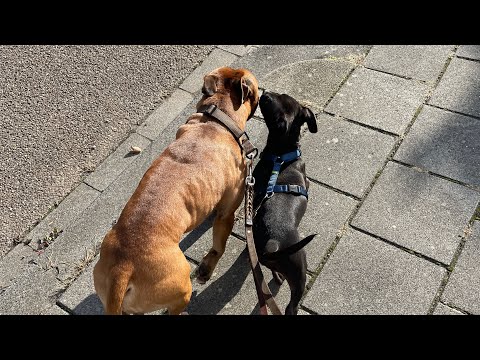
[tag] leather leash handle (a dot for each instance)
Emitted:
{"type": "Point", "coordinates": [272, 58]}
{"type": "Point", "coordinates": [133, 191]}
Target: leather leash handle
{"type": "Point", "coordinates": [265, 297]}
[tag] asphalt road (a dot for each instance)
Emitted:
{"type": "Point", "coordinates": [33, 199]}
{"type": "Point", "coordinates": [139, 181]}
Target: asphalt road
{"type": "Point", "coordinates": [63, 109]}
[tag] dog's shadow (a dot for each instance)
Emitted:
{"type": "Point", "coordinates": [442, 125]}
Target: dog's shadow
{"type": "Point", "coordinates": [215, 295]}
{"type": "Point", "coordinates": [219, 293]}
{"type": "Point", "coordinates": [91, 305]}
{"type": "Point", "coordinates": [197, 233]}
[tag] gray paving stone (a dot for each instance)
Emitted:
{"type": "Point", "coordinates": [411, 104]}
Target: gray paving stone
{"type": "Point", "coordinates": [239, 50]}
{"type": "Point", "coordinates": [17, 260]}
{"type": "Point", "coordinates": [421, 62]}
{"type": "Point", "coordinates": [379, 100]}
{"type": "Point", "coordinates": [66, 212]}
{"type": "Point", "coordinates": [345, 155]}
{"type": "Point", "coordinates": [164, 114]}
{"type": "Point", "coordinates": [367, 276]}
{"type": "Point", "coordinates": [462, 287]}
{"type": "Point", "coordinates": [258, 112]}
{"type": "Point", "coordinates": [116, 163]}
{"type": "Point", "coordinates": [311, 82]}
{"type": "Point", "coordinates": [326, 214]}
{"type": "Point", "coordinates": [26, 294]}
{"type": "Point", "coordinates": [469, 51]}
{"type": "Point", "coordinates": [267, 58]}
{"type": "Point", "coordinates": [445, 143]}
{"type": "Point", "coordinates": [80, 298]}
{"type": "Point", "coordinates": [258, 132]}
{"type": "Point", "coordinates": [419, 211]}
{"type": "Point", "coordinates": [442, 309]}
{"type": "Point", "coordinates": [55, 310]}
{"type": "Point", "coordinates": [217, 58]}
{"type": "Point", "coordinates": [459, 88]}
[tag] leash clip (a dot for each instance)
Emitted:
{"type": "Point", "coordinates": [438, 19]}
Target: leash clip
{"type": "Point", "coordinates": [250, 180]}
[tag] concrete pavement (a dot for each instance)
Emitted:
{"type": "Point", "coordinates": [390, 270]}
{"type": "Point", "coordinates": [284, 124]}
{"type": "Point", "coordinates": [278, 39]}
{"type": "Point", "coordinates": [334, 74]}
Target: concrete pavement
{"type": "Point", "coordinates": [395, 189]}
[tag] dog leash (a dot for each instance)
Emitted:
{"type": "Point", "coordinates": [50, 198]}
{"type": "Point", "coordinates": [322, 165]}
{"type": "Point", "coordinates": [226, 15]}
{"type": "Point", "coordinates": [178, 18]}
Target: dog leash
{"type": "Point", "coordinates": [265, 297]}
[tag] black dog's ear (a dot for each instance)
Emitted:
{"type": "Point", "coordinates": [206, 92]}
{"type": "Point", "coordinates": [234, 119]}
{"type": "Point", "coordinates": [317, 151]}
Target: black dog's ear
{"type": "Point", "coordinates": [310, 119]}
{"type": "Point", "coordinates": [209, 85]}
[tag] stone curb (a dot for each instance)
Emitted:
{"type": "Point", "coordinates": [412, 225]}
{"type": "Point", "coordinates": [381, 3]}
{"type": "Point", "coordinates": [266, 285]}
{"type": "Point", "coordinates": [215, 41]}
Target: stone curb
{"type": "Point", "coordinates": [217, 58]}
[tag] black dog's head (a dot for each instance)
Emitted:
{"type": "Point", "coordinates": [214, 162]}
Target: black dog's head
{"type": "Point", "coordinates": [284, 117]}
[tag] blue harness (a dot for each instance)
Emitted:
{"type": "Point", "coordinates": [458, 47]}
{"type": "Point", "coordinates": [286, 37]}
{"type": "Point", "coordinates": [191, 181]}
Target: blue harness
{"type": "Point", "coordinates": [277, 164]}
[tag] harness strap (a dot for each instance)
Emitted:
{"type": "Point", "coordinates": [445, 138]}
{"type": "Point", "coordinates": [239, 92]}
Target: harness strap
{"type": "Point", "coordinates": [240, 136]}
{"type": "Point", "coordinates": [292, 189]}
{"type": "Point", "coordinates": [277, 165]}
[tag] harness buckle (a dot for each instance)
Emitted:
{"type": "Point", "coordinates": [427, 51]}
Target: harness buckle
{"type": "Point", "coordinates": [210, 109]}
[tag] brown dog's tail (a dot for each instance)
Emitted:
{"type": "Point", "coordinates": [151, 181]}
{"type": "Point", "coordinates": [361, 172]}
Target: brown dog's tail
{"type": "Point", "coordinates": [116, 292]}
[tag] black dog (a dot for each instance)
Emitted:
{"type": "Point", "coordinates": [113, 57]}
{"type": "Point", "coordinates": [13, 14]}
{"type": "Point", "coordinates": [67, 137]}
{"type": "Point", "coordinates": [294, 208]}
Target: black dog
{"type": "Point", "coordinates": [280, 202]}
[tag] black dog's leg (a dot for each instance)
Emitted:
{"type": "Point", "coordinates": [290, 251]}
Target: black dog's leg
{"type": "Point", "coordinates": [279, 278]}
{"type": "Point", "coordinates": [296, 277]}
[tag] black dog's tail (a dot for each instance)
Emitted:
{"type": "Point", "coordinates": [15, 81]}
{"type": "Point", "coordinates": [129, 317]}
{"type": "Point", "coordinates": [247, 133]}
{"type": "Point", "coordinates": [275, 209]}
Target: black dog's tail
{"type": "Point", "coordinates": [272, 252]}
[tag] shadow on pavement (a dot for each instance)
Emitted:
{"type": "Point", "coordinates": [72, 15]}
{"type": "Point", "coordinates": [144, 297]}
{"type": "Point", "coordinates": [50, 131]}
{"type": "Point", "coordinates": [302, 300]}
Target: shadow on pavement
{"type": "Point", "coordinates": [221, 291]}
{"type": "Point", "coordinates": [91, 305]}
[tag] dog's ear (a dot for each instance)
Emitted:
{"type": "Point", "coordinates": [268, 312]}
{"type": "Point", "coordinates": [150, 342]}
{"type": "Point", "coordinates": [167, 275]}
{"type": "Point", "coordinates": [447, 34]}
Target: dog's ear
{"type": "Point", "coordinates": [246, 88]}
{"type": "Point", "coordinates": [243, 87]}
{"type": "Point", "coordinates": [209, 85]}
{"type": "Point", "coordinates": [310, 119]}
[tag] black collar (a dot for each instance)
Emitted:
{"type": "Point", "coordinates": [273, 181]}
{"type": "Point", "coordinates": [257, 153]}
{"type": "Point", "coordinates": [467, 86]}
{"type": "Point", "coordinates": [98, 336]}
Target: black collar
{"type": "Point", "coordinates": [240, 136]}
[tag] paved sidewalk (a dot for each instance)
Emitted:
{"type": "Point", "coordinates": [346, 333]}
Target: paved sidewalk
{"type": "Point", "coordinates": [395, 189]}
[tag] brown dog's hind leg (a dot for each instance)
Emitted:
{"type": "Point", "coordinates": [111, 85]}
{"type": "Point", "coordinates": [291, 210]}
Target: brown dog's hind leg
{"type": "Point", "coordinates": [179, 306]}
{"type": "Point", "coordinates": [222, 228]}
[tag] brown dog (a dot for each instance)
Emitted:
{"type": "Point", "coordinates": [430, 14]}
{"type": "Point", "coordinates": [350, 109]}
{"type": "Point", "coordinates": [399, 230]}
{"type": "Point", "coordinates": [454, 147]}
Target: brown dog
{"type": "Point", "coordinates": [141, 267]}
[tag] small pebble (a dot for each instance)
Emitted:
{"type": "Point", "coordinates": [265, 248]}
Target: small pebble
{"type": "Point", "coordinates": [135, 150]}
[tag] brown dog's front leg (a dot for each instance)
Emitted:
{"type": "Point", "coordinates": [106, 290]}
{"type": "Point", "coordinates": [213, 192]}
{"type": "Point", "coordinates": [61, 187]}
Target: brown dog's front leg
{"type": "Point", "coordinates": [222, 227]}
